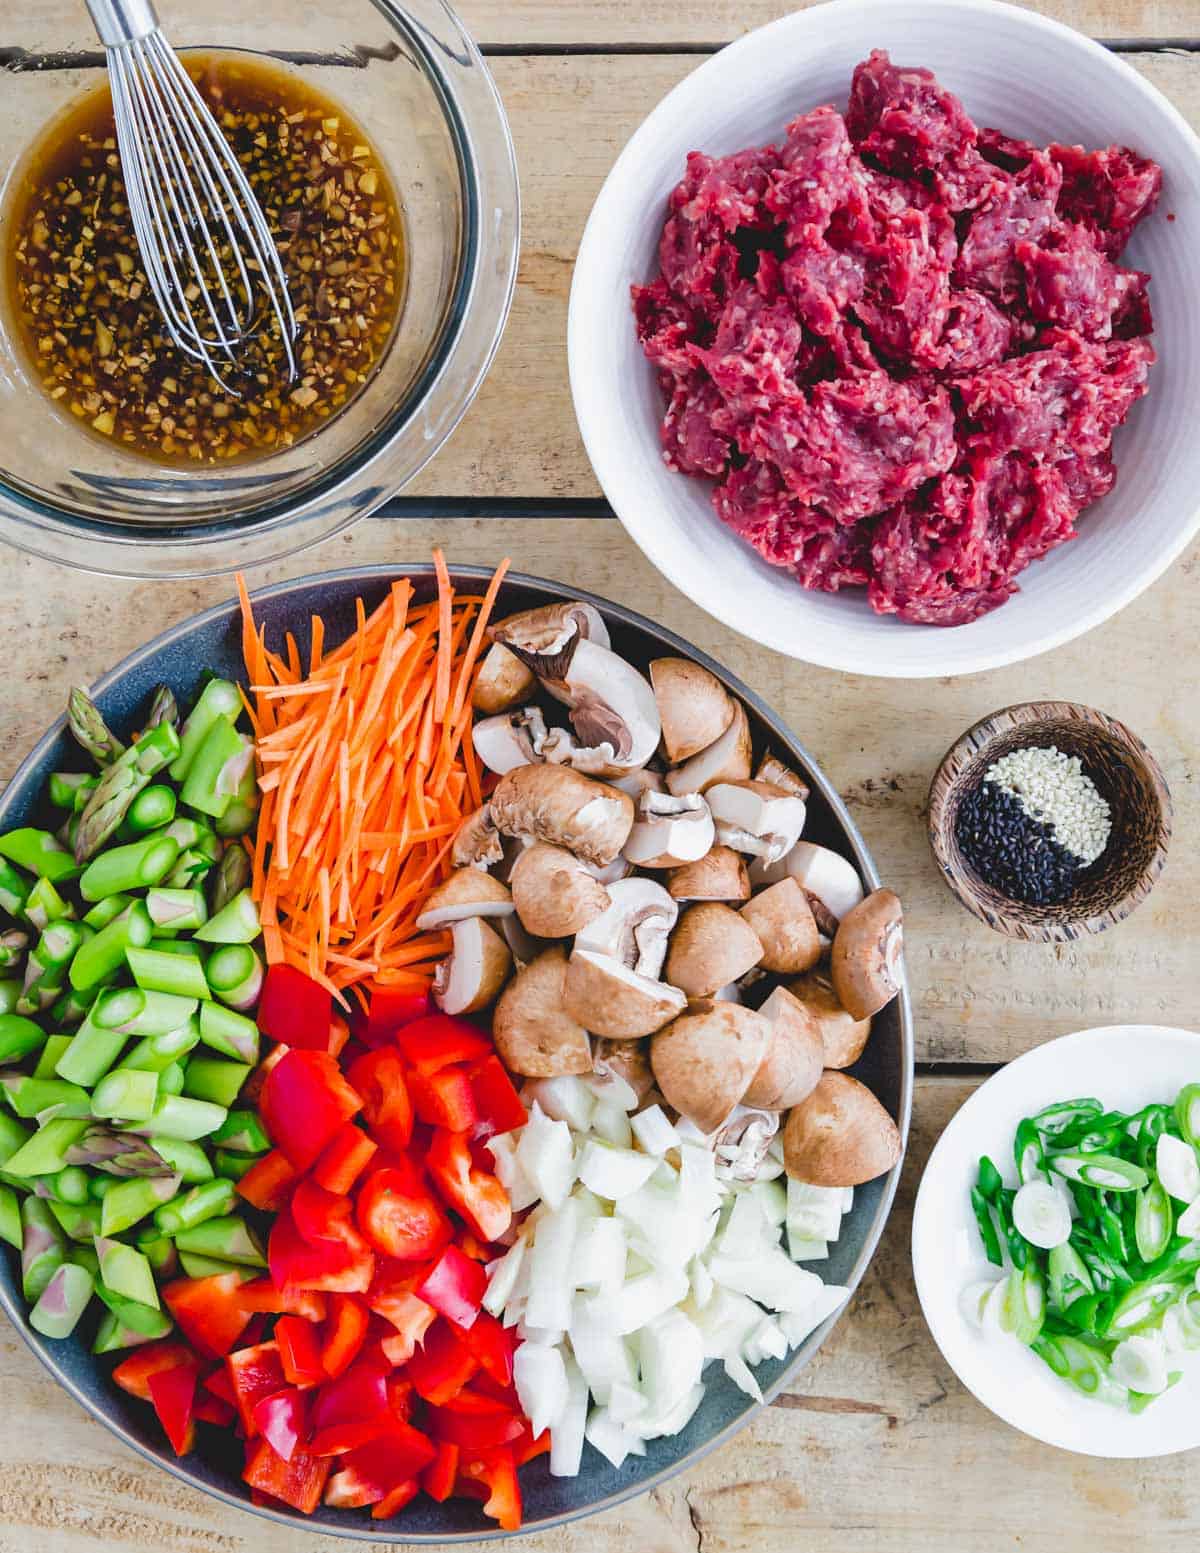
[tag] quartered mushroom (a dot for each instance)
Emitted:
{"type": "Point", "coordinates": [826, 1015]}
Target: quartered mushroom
{"type": "Point", "coordinates": [628, 1061]}
{"type": "Point", "coordinates": [772, 769]}
{"type": "Point", "coordinates": [554, 803]}
{"type": "Point", "coordinates": [794, 1059]}
{"type": "Point", "coordinates": [843, 1037]}
{"type": "Point", "coordinates": [756, 817]}
{"type": "Point", "coordinates": [553, 892]}
{"type": "Point", "coordinates": [669, 830]}
{"type": "Point", "coordinates": [711, 947]}
{"type": "Point", "coordinates": [830, 881]}
{"type": "Point", "coordinates": [468, 892]}
{"type": "Point", "coordinates": [475, 969]}
{"type": "Point", "coordinates": [511, 739]}
{"type": "Point", "coordinates": [840, 1135]}
{"type": "Point", "coordinates": [727, 759]}
{"type": "Point", "coordinates": [533, 1032]}
{"type": "Point", "coordinates": [867, 964]}
{"type": "Point", "coordinates": [644, 780]}
{"type": "Point", "coordinates": [610, 999]}
{"type": "Point", "coordinates": [694, 706]}
{"type": "Point", "coordinates": [742, 1142]}
{"type": "Point", "coordinates": [786, 927]}
{"type": "Point", "coordinates": [503, 681]}
{"type": "Point", "coordinates": [720, 875]}
{"type": "Point", "coordinates": [611, 707]}
{"type": "Point", "coordinates": [635, 928]}
{"type": "Point", "coordinates": [478, 843]}
{"type": "Point", "coordinates": [544, 639]}
{"type": "Point", "coordinates": [704, 1061]}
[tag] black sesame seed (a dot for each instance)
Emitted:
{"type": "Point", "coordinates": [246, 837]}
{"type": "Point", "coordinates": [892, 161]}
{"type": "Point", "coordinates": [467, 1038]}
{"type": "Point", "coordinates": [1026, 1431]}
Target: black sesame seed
{"type": "Point", "coordinates": [1013, 852]}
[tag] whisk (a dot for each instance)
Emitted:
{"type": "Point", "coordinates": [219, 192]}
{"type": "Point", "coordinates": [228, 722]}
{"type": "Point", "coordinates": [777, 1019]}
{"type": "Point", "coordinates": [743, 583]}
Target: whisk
{"type": "Point", "coordinates": [211, 262]}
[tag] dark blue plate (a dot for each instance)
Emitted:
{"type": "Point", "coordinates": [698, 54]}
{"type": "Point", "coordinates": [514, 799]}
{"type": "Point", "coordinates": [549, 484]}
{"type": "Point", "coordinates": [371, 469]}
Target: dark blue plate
{"type": "Point", "coordinates": [211, 642]}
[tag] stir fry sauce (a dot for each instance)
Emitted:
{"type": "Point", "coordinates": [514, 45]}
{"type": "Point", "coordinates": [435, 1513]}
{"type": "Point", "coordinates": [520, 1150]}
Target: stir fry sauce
{"type": "Point", "coordinates": [92, 332]}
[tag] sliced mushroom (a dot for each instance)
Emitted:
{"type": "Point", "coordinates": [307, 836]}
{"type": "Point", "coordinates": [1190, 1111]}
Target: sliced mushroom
{"type": "Point", "coordinates": [867, 964]}
{"type": "Point", "coordinates": [626, 1060]}
{"type": "Point", "coordinates": [478, 843]}
{"type": "Point", "coordinates": [786, 927]}
{"type": "Point", "coordinates": [711, 947]}
{"type": "Point", "coordinates": [842, 1036]}
{"type": "Point", "coordinates": [742, 1142]}
{"type": "Point", "coordinates": [704, 1060]}
{"type": "Point", "coordinates": [468, 892]}
{"type": "Point", "coordinates": [525, 947]}
{"type": "Point", "coordinates": [609, 999]}
{"type": "Point", "coordinates": [475, 970]}
{"type": "Point", "coordinates": [545, 638]}
{"type": "Point", "coordinates": [643, 780]}
{"type": "Point", "coordinates": [756, 817]}
{"type": "Point", "coordinates": [830, 881]}
{"type": "Point", "coordinates": [725, 760]}
{"type": "Point", "coordinates": [503, 681]}
{"type": "Point", "coordinates": [612, 707]}
{"type": "Point", "coordinates": [794, 1058]}
{"type": "Point", "coordinates": [720, 875]}
{"type": "Point", "coordinates": [840, 1135]}
{"type": "Point", "coordinates": [554, 803]}
{"type": "Point", "coordinates": [554, 893]}
{"type": "Point", "coordinates": [511, 739]}
{"type": "Point", "coordinates": [669, 830]}
{"type": "Point", "coordinates": [772, 769]}
{"type": "Point", "coordinates": [533, 1032]}
{"type": "Point", "coordinates": [694, 706]}
{"type": "Point", "coordinates": [635, 928]}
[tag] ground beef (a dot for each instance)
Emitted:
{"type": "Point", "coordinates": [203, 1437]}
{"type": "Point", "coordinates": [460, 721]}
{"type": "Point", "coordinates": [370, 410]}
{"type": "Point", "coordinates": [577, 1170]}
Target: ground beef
{"type": "Point", "coordinates": [900, 344]}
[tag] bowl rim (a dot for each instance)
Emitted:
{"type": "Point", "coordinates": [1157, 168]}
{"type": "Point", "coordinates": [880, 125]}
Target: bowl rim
{"type": "Point", "coordinates": [615, 474]}
{"type": "Point", "coordinates": [227, 611]}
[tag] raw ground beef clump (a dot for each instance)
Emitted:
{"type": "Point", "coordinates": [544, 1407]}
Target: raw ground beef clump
{"type": "Point", "coordinates": [900, 343]}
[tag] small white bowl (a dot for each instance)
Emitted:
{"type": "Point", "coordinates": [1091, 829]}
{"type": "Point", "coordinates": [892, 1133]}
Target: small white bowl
{"type": "Point", "coordinates": [1016, 71]}
{"type": "Point", "coordinates": [1125, 1067]}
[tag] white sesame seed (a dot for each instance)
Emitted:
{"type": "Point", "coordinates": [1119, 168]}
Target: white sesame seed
{"type": "Point", "coordinates": [1054, 788]}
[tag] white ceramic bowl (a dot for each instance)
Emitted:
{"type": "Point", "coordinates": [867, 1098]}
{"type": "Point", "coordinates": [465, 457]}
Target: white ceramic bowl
{"type": "Point", "coordinates": [1014, 70]}
{"type": "Point", "coordinates": [1125, 1067]}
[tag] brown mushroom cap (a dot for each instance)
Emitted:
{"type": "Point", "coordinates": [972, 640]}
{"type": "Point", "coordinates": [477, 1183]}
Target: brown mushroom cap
{"type": "Point", "coordinates": [704, 1060]}
{"type": "Point", "coordinates": [610, 999]}
{"type": "Point", "coordinates": [720, 875]}
{"type": "Point", "coordinates": [840, 1135]}
{"type": "Point", "coordinates": [554, 894]}
{"type": "Point", "coordinates": [694, 706]}
{"type": "Point", "coordinates": [786, 927]}
{"type": "Point", "coordinates": [503, 681]}
{"type": "Point", "coordinates": [842, 1036]}
{"type": "Point", "coordinates": [867, 964]}
{"type": "Point", "coordinates": [467, 892]}
{"type": "Point", "coordinates": [771, 769]}
{"type": "Point", "coordinates": [557, 804]}
{"type": "Point", "coordinates": [533, 1032]}
{"type": "Point", "coordinates": [477, 968]}
{"type": "Point", "coordinates": [545, 639]}
{"type": "Point", "coordinates": [629, 1060]}
{"type": "Point", "coordinates": [478, 843]}
{"type": "Point", "coordinates": [710, 947]}
{"type": "Point", "coordinates": [727, 759]}
{"type": "Point", "coordinates": [791, 1068]}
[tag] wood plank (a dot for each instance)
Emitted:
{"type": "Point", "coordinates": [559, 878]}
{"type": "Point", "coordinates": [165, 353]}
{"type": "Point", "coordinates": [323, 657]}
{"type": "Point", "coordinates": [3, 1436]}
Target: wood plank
{"type": "Point", "coordinates": [979, 997]}
{"type": "Point", "coordinates": [570, 117]}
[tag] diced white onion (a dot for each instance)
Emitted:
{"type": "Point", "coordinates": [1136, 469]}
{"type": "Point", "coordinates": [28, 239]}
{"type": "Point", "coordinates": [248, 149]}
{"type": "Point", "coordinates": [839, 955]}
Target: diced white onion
{"type": "Point", "coordinates": [614, 1173]}
{"type": "Point", "coordinates": [546, 1155]}
{"type": "Point", "coordinates": [540, 1377]}
{"type": "Point", "coordinates": [566, 1440]}
{"type": "Point", "coordinates": [502, 1278]}
{"type": "Point", "coordinates": [600, 1256]}
{"type": "Point", "coordinates": [610, 1122]}
{"type": "Point", "coordinates": [654, 1132]}
{"type": "Point", "coordinates": [564, 1099]}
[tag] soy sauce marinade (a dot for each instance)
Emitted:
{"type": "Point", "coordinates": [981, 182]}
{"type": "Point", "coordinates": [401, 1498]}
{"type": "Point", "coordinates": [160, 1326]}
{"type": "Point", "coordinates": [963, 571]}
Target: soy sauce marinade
{"type": "Point", "coordinates": [90, 326]}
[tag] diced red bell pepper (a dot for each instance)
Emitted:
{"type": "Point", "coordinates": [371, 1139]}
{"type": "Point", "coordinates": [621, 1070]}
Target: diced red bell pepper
{"type": "Point", "coordinates": [475, 1422]}
{"type": "Point", "coordinates": [391, 1297]}
{"type": "Point", "coordinates": [263, 1297]}
{"type": "Point", "coordinates": [454, 1286]}
{"type": "Point", "coordinates": [345, 1332]}
{"type": "Point", "coordinates": [282, 1418]}
{"type": "Point", "coordinates": [445, 1099]}
{"type": "Point", "coordinates": [321, 1216]}
{"type": "Point", "coordinates": [441, 1041]}
{"type": "Point", "coordinates": [398, 1214]}
{"type": "Point", "coordinates": [300, 1351]}
{"type": "Point", "coordinates": [442, 1366]}
{"type": "Point", "coordinates": [498, 1105]}
{"type": "Point", "coordinates": [401, 1495]}
{"type": "Point", "coordinates": [254, 1373]}
{"type": "Point", "coordinates": [401, 1397]}
{"type": "Point", "coordinates": [251, 1090]}
{"type": "Point", "coordinates": [352, 1409]}
{"type": "Point", "coordinates": [298, 1482]}
{"type": "Point", "coordinates": [493, 1344]}
{"type": "Point", "coordinates": [133, 1374]}
{"type": "Point", "coordinates": [440, 1476]}
{"type": "Point", "coordinates": [209, 1311]}
{"type": "Point", "coordinates": [379, 1078]}
{"type": "Point", "coordinates": [211, 1410]}
{"type": "Point", "coordinates": [304, 1102]}
{"type": "Point", "coordinates": [268, 1182]}
{"type": "Point", "coordinates": [173, 1393]}
{"type": "Point", "coordinates": [219, 1383]}
{"type": "Point", "coordinates": [528, 1445]}
{"type": "Point", "coordinates": [328, 1266]}
{"type": "Point", "coordinates": [496, 1472]}
{"type": "Point", "coordinates": [339, 1035]}
{"type": "Point", "coordinates": [390, 1009]}
{"type": "Point", "coordinates": [293, 1009]}
{"type": "Point", "coordinates": [371, 1473]}
{"type": "Point", "coordinates": [474, 1193]}
{"type": "Point", "coordinates": [344, 1158]}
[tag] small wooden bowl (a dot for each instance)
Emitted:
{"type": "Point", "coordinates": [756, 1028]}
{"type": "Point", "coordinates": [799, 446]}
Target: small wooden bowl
{"type": "Point", "coordinates": [1126, 775]}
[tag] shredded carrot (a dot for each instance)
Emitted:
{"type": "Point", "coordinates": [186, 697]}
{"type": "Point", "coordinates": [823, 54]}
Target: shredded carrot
{"type": "Point", "coordinates": [367, 771]}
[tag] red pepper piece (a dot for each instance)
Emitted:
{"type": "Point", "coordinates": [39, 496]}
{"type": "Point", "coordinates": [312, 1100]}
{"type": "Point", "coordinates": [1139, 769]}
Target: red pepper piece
{"type": "Point", "coordinates": [254, 1373]}
{"type": "Point", "coordinates": [352, 1409]}
{"type": "Point", "coordinates": [454, 1286]}
{"type": "Point", "coordinates": [298, 1482]}
{"type": "Point", "coordinates": [440, 1041]}
{"type": "Point", "coordinates": [282, 1418]}
{"type": "Point", "coordinates": [262, 1297]}
{"type": "Point", "coordinates": [493, 1344]}
{"type": "Point", "coordinates": [340, 1267]}
{"type": "Point", "coordinates": [378, 1076]}
{"type": "Point", "coordinates": [391, 1297]}
{"type": "Point", "coordinates": [475, 1422]}
{"type": "Point", "coordinates": [300, 1351]}
{"type": "Point", "coordinates": [339, 1035]}
{"type": "Point", "coordinates": [398, 1214]}
{"type": "Point", "coordinates": [345, 1332]}
{"type": "Point", "coordinates": [496, 1472]}
{"type": "Point", "coordinates": [133, 1374]}
{"type": "Point", "coordinates": [209, 1311]}
{"type": "Point", "coordinates": [440, 1476]}
{"type": "Point", "coordinates": [474, 1193]}
{"type": "Point", "coordinates": [442, 1366]}
{"type": "Point", "coordinates": [173, 1393]}
{"type": "Point", "coordinates": [344, 1158]}
{"type": "Point", "coordinates": [294, 1009]}
{"type": "Point", "coordinates": [252, 1089]}
{"type": "Point", "coordinates": [445, 1099]}
{"type": "Point", "coordinates": [528, 1445]}
{"type": "Point", "coordinates": [211, 1410]}
{"type": "Point", "coordinates": [390, 1009]}
{"type": "Point", "coordinates": [401, 1397]}
{"type": "Point", "coordinates": [304, 1102]}
{"type": "Point", "coordinates": [371, 1473]}
{"type": "Point", "coordinates": [497, 1102]}
{"type": "Point", "coordinates": [401, 1495]}
{"type": "Point", "coordinates": [219, 1384]}
{"type": "Point", "coordinates": [320, 1216]}
{"type": "Point", "coordinates": [268, 1182]}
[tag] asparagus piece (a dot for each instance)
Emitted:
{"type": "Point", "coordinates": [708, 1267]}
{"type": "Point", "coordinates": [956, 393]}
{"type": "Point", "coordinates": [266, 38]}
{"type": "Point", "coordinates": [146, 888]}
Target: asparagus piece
{"type": "Point", "coordinates": [48, 1056]}
{"type": "Point", "coordinates": [70, 1185]}
{"type": "Point", "coordinates": [14, 889]}
{"type": "Point", "coordinates": [155, 971]}
{"type": "Point", "coordinates": [210, 1200]}
{"type": "Point", "coordinates": [153, 807]}
{"type": "Point", "coordinates": [210, 1079]}
{"type": "Point", "coordinates": [123, 1154]}
{"type": "Point", "coordinates": [39, 852]}
{"type": "Point", "coordinates": [89, 728]}
{"type": "Point", "coordinates": [229, 1238]}
{"type": "Point", "coordinates": [18, 1037]}
{"type": "Point", "coordinates": [188, 831]}
{"type": "Point", "coordinates": [176, 911]}
{"type": "Point", "coordinates": [44, 905]}
{"type": "Point", "coordinates": [231, 878]}
{"type": "Point", "coordinates": [45, 1151]}
{"type": "Point", "coordinates": [30, 1096]}
{"type": "Point", "coordinates": [228, 1032]}
{"type": "Point", "coordinates": [233, 1166]}
{"type": "Point", "coordinates": [103, 955]}
{"type": "Point", "coordinates": [236, 923]}
{"type": "Point", "coordinates": [217, 769]}
{"type": "Point", "coordinates": [46, 967]}
{"type": "Point", "coordinates": [12, 1137]}
{"type": "Point", "coordinates": [71, 1009]}
{"type": "Point", "coordinates": [158, 1250]}
{"type": "Point", "coordinates": [65, 787]}
{"type": "Point", "coordinates": [188, 1160]}
{"type": "Point", "coordinates": [10, 992]}
{"type": "Point", "coordinates": [120, 785]}
{"type": "Point", "coordinates": [99, 1186]}
{"type": "Point", "coordinates": [190, 872]}
{"type": "Point", "coordinates": [220, 699]}
{"type": "Point", "coordinates": [127, 1093]}
{"type": "Point", "coordinates": [196, 1266]}
{"type": "Point", "coordinates": [43, 1249]}
{"type": "Point", "coordinates": [62, 1301]}
{"type": "Point", "coordinates": [177, 1116]}
{"type": "Point", "coordinates": [163, 708]}
{"type": "Point", "coordinates": [107, 910]}
{"type": "Point", "coordinates": [13, 945]}
{"type": "Point", "coordinates": [156, 1053]}
{"type": "Point", "coordinates": [242, 812]}
{"type": "Point", "coordinates": [136, 1012]}
{"type": "Point", "coordinates": [113, 1336]}
{"type": "Point", "coordinates": [92, 1052]}
{"type": "Point", "coordinates": [79, 1221]}
{"type": "Point", "coordinates": [177, 946]}
{"type": "Point", "coordinates": [171, 1079]}
{"type": "Point", "coordinates": [243, 1133]}
{"type": "Point", "coordinates": [10, 1217]}
{"type": "Point", "coordinates": [131, 867]}
{"type": "Point", "coordinates": [125, 1271]}
{"type": "Point", "coordinates": [129, 1201]}
{"type": "Point", "coordinates": [235, 973]}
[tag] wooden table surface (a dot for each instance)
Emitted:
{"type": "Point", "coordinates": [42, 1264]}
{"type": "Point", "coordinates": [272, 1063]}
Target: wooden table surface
{"type": "Point", "coordinates": [877, 1447]}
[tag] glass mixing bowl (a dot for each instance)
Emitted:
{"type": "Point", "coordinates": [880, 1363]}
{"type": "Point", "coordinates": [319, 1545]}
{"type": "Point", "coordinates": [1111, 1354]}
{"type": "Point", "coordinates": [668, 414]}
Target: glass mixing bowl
{"type": "Point", "coordinates": [416, 83]}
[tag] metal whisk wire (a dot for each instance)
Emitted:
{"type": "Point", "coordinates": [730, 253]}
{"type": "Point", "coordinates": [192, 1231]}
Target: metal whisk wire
{"type": "Point", "coordinates": [208, 252]}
